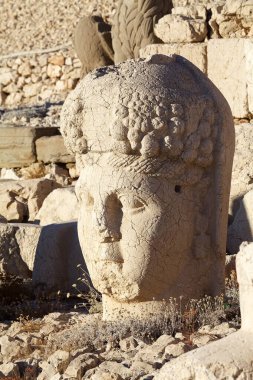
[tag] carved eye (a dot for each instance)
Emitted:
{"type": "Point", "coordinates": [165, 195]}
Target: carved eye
{"type": "Point", "coordinates": [132, 203]}
{"type": "Point", "coordinates": [178, 189]}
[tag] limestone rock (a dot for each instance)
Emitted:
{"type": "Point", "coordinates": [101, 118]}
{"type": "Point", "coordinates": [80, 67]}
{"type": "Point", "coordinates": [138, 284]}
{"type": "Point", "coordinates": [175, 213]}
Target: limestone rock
{"type": "Point", "coordinates": [32, 89]}
{"type": "Point", "coordinates": [52, 149]}
{"type": "Point", "coordinates": [52, 210]}
{"type": "Point", "coordinates": [242, 227]}
{"type": "Point", "coordinates": [5, 76]}
{"type": "Point", "coordinates": [18, 247]}
{"type": "Point", "coordinates": [195, 52]}
{"type": "Point", "coordinates": [9, 370]}
{"type": "Point", "coordinates": [17, 147]}
{"type": "Point", "coordinates": [133, 26]}
{"type": "Point", "coordinates": [242, 174]}
{"type": "Point", "coordinates": [230, 68]}
{"type": "Point", "coordinates": [56, 60]}
{"type": "Point", "coordinates": [81, 364]}
{"type": "Point", "coordinates": [109, 367]}
{"type": "Point", "coordinates": [178, 29]}
{"type": "Point", "coordinates": [60, 360]}
{"type": "Point", "coordinates": [57, 256]}
{"type": "Point", "coordinates": [21, 200]}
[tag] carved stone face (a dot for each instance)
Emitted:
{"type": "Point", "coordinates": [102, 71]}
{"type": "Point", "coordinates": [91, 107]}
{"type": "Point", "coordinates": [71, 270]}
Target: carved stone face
{"type": "Point", "coordinates": [135, 231]}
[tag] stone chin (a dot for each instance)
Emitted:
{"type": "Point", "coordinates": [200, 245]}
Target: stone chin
{"type": "Point", "coordinates": [109, 280]}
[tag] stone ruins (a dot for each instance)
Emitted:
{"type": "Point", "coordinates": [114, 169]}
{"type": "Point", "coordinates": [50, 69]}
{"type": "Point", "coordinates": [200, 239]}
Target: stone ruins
{"type": "Point", "coordinates": [119, 122]}
{"type": "Point", "coordinates": [156, 163]}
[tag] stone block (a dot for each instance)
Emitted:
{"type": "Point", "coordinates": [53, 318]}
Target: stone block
{"type": "Point", "coordinates": [176, 28]}
{"type": "Point", "coordinates": [58, 254]}
{"type": "Point", "coordinates": [52, 210]}
{"type": "Point", "coordinates": [242, 173]}
{"type": "Point", "coordinates": [52, 149]}
{"type": "Point", "coordinates": [18, 243]}
{"type": "Point", "coordinates": [230, 67]}
{"type": "Point", "coordinates": [242, 227]}
{"type": "Point", "coordinates": [17, 144]}
{"type": "Point", "coordinates": [195, 52]}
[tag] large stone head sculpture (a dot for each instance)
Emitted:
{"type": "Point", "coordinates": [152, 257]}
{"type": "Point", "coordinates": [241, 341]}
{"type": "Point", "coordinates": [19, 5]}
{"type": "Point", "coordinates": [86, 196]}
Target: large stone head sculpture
{"type": "Point", "coordinates": [154, 140]}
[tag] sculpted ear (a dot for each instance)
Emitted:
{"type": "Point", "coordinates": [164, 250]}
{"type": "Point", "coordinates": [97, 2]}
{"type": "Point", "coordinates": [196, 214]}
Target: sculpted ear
{"type": "Point", "coordinates": [72, 121]}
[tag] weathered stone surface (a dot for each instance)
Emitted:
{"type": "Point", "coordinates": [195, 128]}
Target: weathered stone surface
{"type": "Point", "coordinates": [230, 67]}
{"type": "Point", "coordinates": [230, 357]}
{"type": "Point", "coordinates": [17, 145]}
{"type": "Point", "coordinates": [57, 256]}
{"type": "Point", "coordinates": [81, 364]}
{"type": "Point", "coordinates": [52, 210]}
{"type": "Point", "coordinates": [52, 149]}
{"type": "Point", "coordinates": [242, 227]}
{"type": "Point", "coordinates": [175, 28]}
{"type": "Point", "coordinates": [18, 244]}
{"type": "Point", "coordinates": [133, 26]}
{"type": "Point", "coordinates": [145, 132]}
{"type": "Point", "coordinates": [21, 200]}
{"type": "Point", "coordinates": [242, 173]}
{"type": "Point", "coordinates": [195, 53]}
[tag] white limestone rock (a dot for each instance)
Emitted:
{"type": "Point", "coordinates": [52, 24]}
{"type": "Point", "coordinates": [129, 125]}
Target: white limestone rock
{"type": "Point", "coordinates": [176, 28]}
{"type": "Point", "coordinates": [52, 210]}
{"type": "Point", "coordinates": [21, 200]}
{"type": "Point", "coordinates": [194, 52]}
{"type": "Point", "coordinates": [230, 67]}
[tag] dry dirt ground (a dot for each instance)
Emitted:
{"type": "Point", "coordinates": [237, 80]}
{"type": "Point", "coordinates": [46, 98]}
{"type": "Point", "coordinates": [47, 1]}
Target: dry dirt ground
{"type": "Point", "coordinates": [33, 24]}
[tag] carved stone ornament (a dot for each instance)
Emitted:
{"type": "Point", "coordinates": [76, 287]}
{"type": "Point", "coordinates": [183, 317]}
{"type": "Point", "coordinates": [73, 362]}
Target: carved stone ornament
{"type": "Point", "coordinates": [154, 140]}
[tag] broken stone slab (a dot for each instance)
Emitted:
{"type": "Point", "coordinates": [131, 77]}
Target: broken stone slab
{"type": "Point", "coordinates": [242, 172]}
{"type": "Point", "coordinates": [17, 147]}
{"type": "Point", "coordinates": [52, 210]}
{"type": "Point", "coordinates": [52, 149]}
{"type": "Point", "coordinates": [194, 52]}
{"type": "Point", "coordinates": [177, 28]}
{"type": "Point", "coordinates": [230, 67]}
{"type": "Point", "coordinates": [57, 256]}
{"type": "Point", "coordinates": [18, 244]}
{"type": "Point", "coordinates": [21, 200]}
{"type": "Point", "coordinates": [242, 227]}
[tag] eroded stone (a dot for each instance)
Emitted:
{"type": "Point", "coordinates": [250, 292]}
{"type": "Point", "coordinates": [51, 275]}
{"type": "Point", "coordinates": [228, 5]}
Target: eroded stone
{"type": "Point", "coordinates": [147, 181]}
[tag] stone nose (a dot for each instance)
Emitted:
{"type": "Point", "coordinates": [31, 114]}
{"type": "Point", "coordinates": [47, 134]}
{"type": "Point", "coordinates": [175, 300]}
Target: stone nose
{"type": "Point", "coordinates": [105, 225]}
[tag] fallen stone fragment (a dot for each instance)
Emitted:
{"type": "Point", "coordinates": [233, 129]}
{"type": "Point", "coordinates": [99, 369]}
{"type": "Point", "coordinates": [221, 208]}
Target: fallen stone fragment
{"type": "Point", "coordinates": [176, 28]}
{"type": "Point", "coordinates": [81, 364]}
{"type": "Point", "coordinates": [21, 200]}
{"type": "Point", "coordinates": [18, 244]}
{"type": "Point", "coordinates": [52, 210]}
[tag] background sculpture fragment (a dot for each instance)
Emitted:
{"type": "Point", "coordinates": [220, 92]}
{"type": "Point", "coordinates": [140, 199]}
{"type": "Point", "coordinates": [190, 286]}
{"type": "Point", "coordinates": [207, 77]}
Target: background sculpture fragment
{"type": "Point", "coordinates": [155, 141]}
{"type": "Point", "coordinates": [133, 26]}
{"type": "Point", "coordinates": [93, 44]}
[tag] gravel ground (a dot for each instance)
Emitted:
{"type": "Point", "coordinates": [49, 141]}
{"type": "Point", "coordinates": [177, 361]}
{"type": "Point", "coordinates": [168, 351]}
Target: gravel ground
{"type": "Point", "coordinates": [33, 24]}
